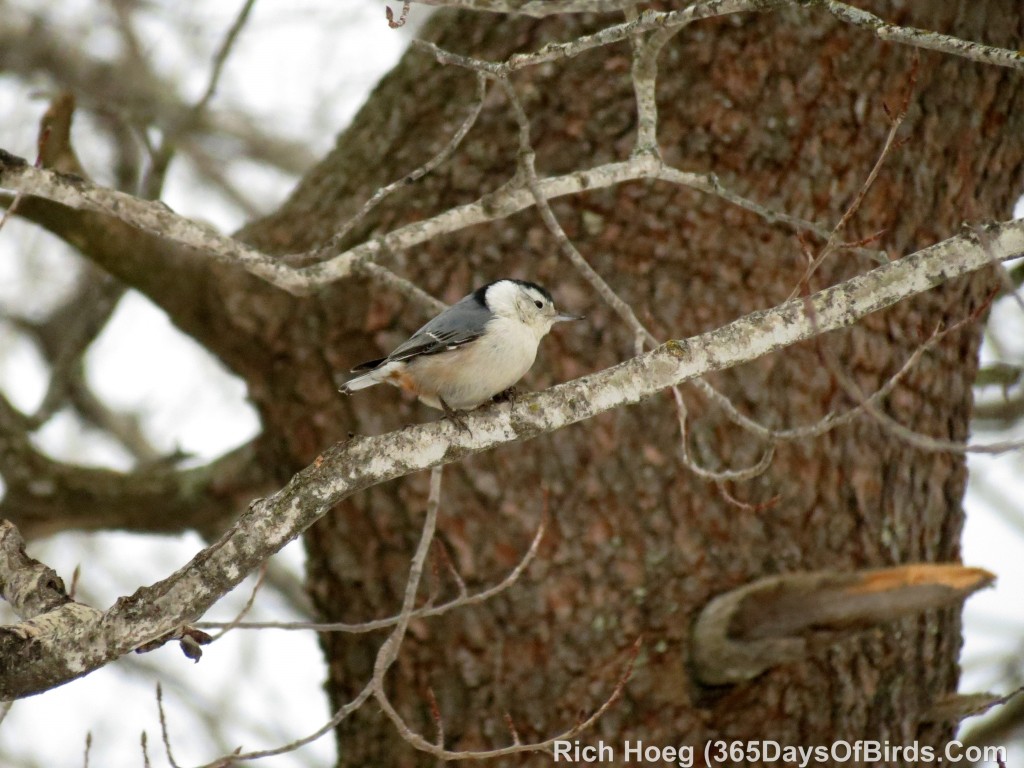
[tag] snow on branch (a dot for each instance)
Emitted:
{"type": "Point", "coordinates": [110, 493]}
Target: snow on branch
{"type": "Point", "coordinates": [37, 662]}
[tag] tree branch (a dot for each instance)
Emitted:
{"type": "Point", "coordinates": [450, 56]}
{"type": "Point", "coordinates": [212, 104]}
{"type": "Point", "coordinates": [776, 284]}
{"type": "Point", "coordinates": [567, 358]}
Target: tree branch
{"type": "Point", "coordinates": [921, 38]}
{"type": "Point", "coordinates": [158, 221]}
{"type": "Point", "coordinates": [650, 20]}
{"type": "Point", "coordinates": [30, 587]}
{"type": "Point", "coordinates": [536, 8]}
{"type": "Point", "coordinates": [44, 496]}
{"type": "Point", "coordinates": [39, 662]}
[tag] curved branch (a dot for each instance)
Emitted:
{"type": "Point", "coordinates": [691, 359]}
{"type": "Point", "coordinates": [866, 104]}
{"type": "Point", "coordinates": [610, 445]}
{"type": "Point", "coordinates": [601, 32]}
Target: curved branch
{"type": "Point", "coordinates": [170, 231]}
{"type": "Point", "coordinates": [38, 662]}
{"type": "Point", "coordinates": [29, 586]}
{"type": "Point", "coordinates": [537, 8]}
{"type": "Point", "coordinates": [44, 496]}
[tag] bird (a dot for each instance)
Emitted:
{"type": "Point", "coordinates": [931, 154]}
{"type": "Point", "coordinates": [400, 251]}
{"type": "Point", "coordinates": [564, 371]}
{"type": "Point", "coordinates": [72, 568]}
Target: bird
{"type": "Point", "coordinates": [474, 350]}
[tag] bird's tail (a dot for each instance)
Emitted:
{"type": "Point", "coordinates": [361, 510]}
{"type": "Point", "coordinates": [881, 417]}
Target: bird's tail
{"type": "Point", "coordinates": [376, 373]}
{"type": "Point", "coordinates": [359, 382]}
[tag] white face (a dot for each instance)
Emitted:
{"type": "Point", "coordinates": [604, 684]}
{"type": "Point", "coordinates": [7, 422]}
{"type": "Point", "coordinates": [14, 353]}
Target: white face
{"type": "Point", "coordinates": [525, 303]}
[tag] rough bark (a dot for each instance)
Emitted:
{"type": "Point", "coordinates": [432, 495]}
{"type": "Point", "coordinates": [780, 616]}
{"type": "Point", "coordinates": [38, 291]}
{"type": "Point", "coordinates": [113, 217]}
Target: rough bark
{"type": "Point", "coordinates": [789, 109]}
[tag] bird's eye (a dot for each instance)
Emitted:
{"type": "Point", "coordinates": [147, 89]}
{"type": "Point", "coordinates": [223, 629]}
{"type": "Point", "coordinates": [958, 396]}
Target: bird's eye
{"type": "Point", "coordinates": [539, 304]}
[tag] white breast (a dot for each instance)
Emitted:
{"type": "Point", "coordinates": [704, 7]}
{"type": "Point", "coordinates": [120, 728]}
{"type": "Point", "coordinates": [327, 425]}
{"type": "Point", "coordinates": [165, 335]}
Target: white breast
{"type": "Point", "coordinates": [469, 376]}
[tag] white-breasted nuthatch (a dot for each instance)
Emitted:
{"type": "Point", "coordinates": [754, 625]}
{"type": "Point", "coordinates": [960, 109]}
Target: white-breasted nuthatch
{"type": "Point", "coordinates": [477, 348]}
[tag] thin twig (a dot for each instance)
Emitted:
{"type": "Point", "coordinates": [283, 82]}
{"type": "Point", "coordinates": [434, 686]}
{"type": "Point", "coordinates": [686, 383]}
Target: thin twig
{"type": "Point", "coordinates": [390, 15]}
{"type": "Point", "coordinates": [88, 749]}
{"type": "Point", "coordinates": [718, 476]}
{"type": "Point", "coordinates": [528, 171]}
{"type": "Point", "coordinates": [641, 334]}
{"type": "Point", "coordinates": [921, 38]}
{"type": "Point", "coordinates": [424, 612]}
{"type": "Point", "coordinates": [832, 244]}
{"type": "Point", "coordinates": [445, 153]}
{"type": "Point", "coordinates": [653, 20]}
{"type": "Point", "coordinates": [221, 57]}
{"type": "Point", "coordinates": [245, 608]}
{"type": "Point", "coordinates": [157, 219]}
{"type": "Point", "coordinates": [163, 726]}
{"type": "Point", "coordinates": [388, 652]}
{"type": "Point", "coordinates": [904, 433]}
{"type": "Point", "coordinates": [341, 714]}
{"type": "Point", "coordinates": [583, 724]}
{"type": "Point", "coordinates": [161, 154]}
{"type": "Point", "coordinates": [435, 713]}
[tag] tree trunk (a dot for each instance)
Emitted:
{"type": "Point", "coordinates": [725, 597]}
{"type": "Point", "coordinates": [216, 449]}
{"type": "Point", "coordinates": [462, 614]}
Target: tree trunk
{"type": "Point", "coordinates": [786, 108]}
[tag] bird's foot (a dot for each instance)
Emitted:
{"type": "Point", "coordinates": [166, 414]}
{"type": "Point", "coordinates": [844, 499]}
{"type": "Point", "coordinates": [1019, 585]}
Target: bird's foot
{"type": "Point", "coordinates": [456, 417]}
{"type": "Point", "coordinates": [509, 395]}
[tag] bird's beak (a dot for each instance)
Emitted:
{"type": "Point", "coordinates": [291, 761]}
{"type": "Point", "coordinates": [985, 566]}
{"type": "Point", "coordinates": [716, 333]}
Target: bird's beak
{"type": "Point", "coordinates": [562, 318]}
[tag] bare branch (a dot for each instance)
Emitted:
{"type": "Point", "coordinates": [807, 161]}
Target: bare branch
{"type": "Point", "coordinates": [30, 587]}
{"type": "Point", "coordinates": [646, 22]}
{"type": "Point", "coordinates": [340, 715]}
{"type": "Point", "coordinates": [221, 56]}
{"type": "Point", "coordinates": [907, 435]}
{"type": "Point", "coordinates": [537, 8]}
{"type": "Point", "coordinates": [833, 419]}
{"type": "Point", "coordinates": [388, 652]}
{"type": "Point", "coordinates": [921, 38]}
{"type": "Point", "coordinates": [644, 76]}
{"type": "Point", "coordinates": [363, 462]}
{"type": "Point", "coordinates": [446, 152]}
{"type": "Point", "coordinates": [159, 221]}
{"type": "Point", "coordinates": [65, 337]}
{"type": "Point", "coordinates": [671, 20]}
{"type": "Point", "coordinates": [528, 170]}
{"type": "Point", "coordinates": [833, 243]}
{"type": "Point", "coordinates": [517, 746]}
{"type": "Point", "coordinates": [44, 496]}
{"type": "Point", "coordinates": [163, 727]}
{"type": "Point", "coordinates": [163, 153]}
{"type": "Point", "coordinates": [425, 612]}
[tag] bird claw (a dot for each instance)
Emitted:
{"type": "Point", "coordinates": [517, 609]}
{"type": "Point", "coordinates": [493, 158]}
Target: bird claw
{"type": "Point", "coordinates": [509, 395]}
{"type": "Point", "coordinates": [456, 417]}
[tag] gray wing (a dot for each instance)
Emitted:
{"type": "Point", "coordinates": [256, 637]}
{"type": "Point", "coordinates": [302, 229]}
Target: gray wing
{"type": "Point", "coordinates": [460, 324]}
